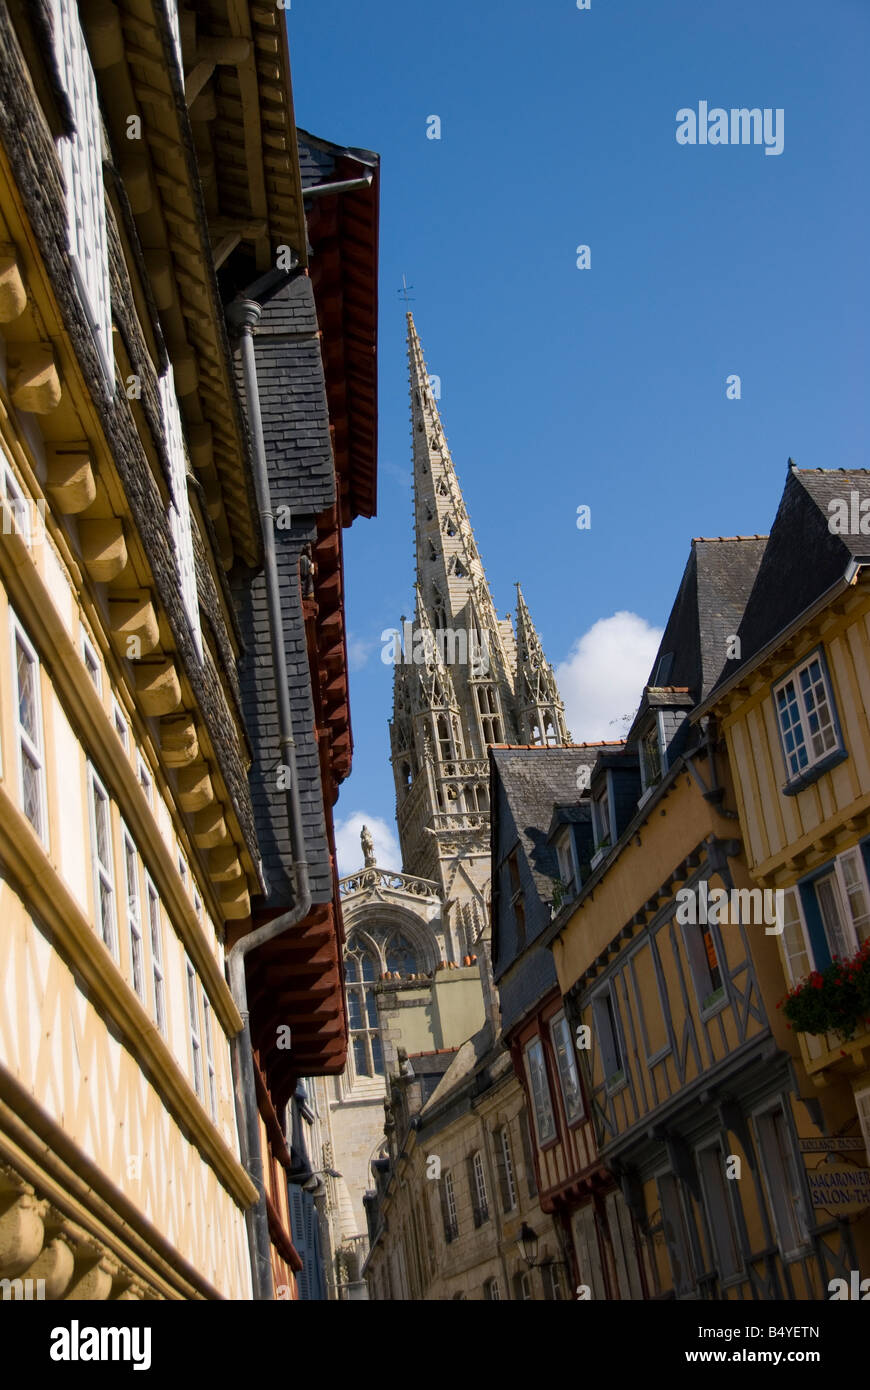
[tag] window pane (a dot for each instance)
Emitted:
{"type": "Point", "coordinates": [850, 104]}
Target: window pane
{"type": "Point", "coordinates": [856, 894]}
{"type": "Point", "coordinates": [567, 1067]}
{"type": "Point", "coordinates": [354, 1011]}
{"type": "Point", "coordinates": [793, 940]}
{"type": "Point", "coordinates": [401, 956]}
{"type": "Point", "coordinates": [31, 788]}
{"type": "Point", "coordinates": [27, 716]}
{"type": "Point", "coordinates": [544, 1122]}
{"type": "Point", "coordinates": [830, 906]}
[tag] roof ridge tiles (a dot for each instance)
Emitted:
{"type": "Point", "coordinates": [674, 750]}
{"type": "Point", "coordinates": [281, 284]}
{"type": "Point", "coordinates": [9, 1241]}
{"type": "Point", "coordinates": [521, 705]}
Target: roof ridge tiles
{"type": "Point", "coordinates": [561, 747]}
{"type": "Point", "coordinates": [755, 537]}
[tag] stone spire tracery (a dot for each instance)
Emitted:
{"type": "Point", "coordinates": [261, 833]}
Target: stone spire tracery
{"type": "Point", "coordinates": [462, 682]}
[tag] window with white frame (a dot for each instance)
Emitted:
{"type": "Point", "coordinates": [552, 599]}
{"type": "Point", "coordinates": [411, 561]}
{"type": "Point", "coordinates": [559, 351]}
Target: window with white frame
{"type": "Point", "coordinates": [103, 860]}
{"type": "Point", "coordinates": [606, 1030]}
{"type": "Point", "coordinates": [491, 1291]}
{"type": "Point", "coordinates": [807, 722]}
{"type": "Point", "coordinates": [120, 724]}
{"type": "Point", "coordinates": [28, 731]}
{"type": "Point", "coordinates": [795, 946]}
{"type": "Point", "coordinates": [523, 1286]}
{"type": "Point", "coordinates": [197, 904]}
{"type": "Point", "coordinates": [528, 1157]}
{"type": "Point", "coordinates": [155, 927]}
{"type": "Point", "coordinates": [91, 660]}
{"type": "Point", "coordinates": [19, 511]}
{"type": "Point", "coordinates": [720, 1211]}
{"type": "Point", "coordinates": [81, 157]}
{"type": "Point", "coordinates": [651, 756]}
{"type": "Point", "coordinates": [542, 1107]}
{"type": "Point", "coordinates": [361, 972]}
{"type": "Point", "coordinates": [601, 818]}
{"type": "Point", "coordinates": [567, 861]}
{"type": "Point", "coordinates": [554, 1283]}
{"type": "Point", "coordinates": [478, 1179]}
{"type": "Point", "coordinates": [783, 1181]}
{"type": "Point", "coordinates": [506, 1169]}
{"type": "Point", "coordinates": [566, 1065]}
{"type": "Point", "coordinates": [134, 914]}
{"type": "Point", "coordinates": [209, 1055]}
{"type": "Point", "coordinates": [843, 899]}
{"type": "Point", "coordinates": [179, 507]}
{"type": "Point", "coordinates": [145, 779]}
{"type": "Point", "coordinates": [193, 1024]}
{"type": "Point", "coordinates": [448, 1208]}
{"type": "Point", "coordinates": [703, 956]}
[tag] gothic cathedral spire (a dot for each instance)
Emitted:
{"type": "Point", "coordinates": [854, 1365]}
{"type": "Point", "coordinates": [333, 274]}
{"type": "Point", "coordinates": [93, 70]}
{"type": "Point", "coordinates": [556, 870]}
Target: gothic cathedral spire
{"type": "Point", "coordinates": [461, 683]}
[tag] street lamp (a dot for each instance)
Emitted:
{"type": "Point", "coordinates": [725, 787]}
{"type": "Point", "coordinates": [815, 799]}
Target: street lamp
{"type": "Point", "coordinates": [527, 1244]}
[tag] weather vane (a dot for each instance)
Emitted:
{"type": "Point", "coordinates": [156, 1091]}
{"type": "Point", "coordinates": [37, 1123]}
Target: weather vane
{"type": "Point", "coordinates": [404, 291]}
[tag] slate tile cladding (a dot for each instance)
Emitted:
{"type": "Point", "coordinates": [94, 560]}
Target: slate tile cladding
{"type": "Point", "coordinates": [29, 148]}
{"type": "Point", "coordinates": [802, 557]}
{"type": "Point", "coordinates": [709, 605]}
{"type": "Point", "coordinates": [526, 785]}
{"type": "Point", "coordinates": [302, 478]}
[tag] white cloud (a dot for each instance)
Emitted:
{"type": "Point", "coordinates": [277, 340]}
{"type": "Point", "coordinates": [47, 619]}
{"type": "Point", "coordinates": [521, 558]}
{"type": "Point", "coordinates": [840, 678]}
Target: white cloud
{"type": "Point", "coordinates": [349, 851]}
{"type": "Point", "coordinates": [603, 677]}
{"type": "Point", "coordinates": [359, 649]}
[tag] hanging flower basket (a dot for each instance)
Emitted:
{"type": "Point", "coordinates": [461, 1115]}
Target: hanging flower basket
{"type": "Point", "coordinates": [834, 1000]}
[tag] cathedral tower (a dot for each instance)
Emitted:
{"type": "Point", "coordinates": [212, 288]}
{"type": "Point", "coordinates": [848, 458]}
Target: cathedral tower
{"type": "Point", "coordinates": [463, 680]}
{"type": "Point", "coordinates": [418, 981]}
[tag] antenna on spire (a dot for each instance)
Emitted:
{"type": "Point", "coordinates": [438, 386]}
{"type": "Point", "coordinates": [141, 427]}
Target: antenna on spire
{"type": "Point", "coordinates": [408, 298]}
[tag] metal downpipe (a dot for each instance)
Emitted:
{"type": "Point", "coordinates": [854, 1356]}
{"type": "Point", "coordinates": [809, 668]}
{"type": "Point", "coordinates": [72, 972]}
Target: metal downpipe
{"type": "Point", "coordinates": [242, 315]}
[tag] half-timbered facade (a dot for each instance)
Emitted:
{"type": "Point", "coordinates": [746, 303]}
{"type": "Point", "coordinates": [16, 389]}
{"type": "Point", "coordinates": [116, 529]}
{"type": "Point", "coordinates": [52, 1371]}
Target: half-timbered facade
{"type": "Point", "coordinates": [792, 706]}
{"type": "Point", "coordinates": [666, 963]}
{"type": "Point", "coordinates": [542, 843]}
{"type": "Point", "coordinates": [151, 211]}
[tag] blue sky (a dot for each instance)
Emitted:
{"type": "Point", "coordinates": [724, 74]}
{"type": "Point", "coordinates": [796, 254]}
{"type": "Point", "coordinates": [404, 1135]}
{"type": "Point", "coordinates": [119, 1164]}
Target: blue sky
{"type": "Point", "coordinates": [604, 386]}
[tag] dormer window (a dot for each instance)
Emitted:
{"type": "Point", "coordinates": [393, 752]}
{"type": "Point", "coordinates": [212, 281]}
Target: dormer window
{"type": "Point", "coordinates": [518, 900]}
{"type": "Point", "coordinates": [568, 868]}
{"type": "Point", "coordinates": [651, 756]}
{"type": "Point", "coordinates": [601, 818]}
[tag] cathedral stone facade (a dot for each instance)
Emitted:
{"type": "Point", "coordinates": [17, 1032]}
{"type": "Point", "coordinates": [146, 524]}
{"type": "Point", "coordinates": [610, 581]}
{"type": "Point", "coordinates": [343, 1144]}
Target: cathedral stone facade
{"type": "Point", "coordinates": [416, 961]}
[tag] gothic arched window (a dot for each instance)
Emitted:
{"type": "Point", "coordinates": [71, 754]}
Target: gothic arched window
{"type": "Point", "coordinates": [401, 955]}
{"type": "Point", "coordinates": [361, 971]}
{"type": "Point", "coordinates": [490, 721]}
{"type": "Point", "coordinates": [444, 744]}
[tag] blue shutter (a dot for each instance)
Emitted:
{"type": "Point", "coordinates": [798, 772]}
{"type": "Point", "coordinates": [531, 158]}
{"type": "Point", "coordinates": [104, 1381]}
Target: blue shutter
{"type": "Point", "coordinates": [815, 926]}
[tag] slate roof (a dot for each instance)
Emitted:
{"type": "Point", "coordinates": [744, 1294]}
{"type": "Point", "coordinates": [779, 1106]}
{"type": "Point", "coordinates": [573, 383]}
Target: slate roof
{"type": "Point", "coordinates": [301, 477]}
{"type": "Point", "coordinates": [707, 610]}
{"type": "Point", "coordinates": [802, 557]}
{"type": "Point", "coordinates": [534, 781]}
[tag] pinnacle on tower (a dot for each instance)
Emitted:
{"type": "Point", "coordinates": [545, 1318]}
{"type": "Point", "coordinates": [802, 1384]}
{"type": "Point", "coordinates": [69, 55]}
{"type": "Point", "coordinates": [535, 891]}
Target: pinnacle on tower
{"type": "Point", "coordinates": [539, 705]}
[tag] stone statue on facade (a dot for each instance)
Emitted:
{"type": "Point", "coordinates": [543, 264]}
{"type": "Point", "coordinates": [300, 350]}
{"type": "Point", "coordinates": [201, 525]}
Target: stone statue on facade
{"type": "Point", "coordinates": [368, 847]}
